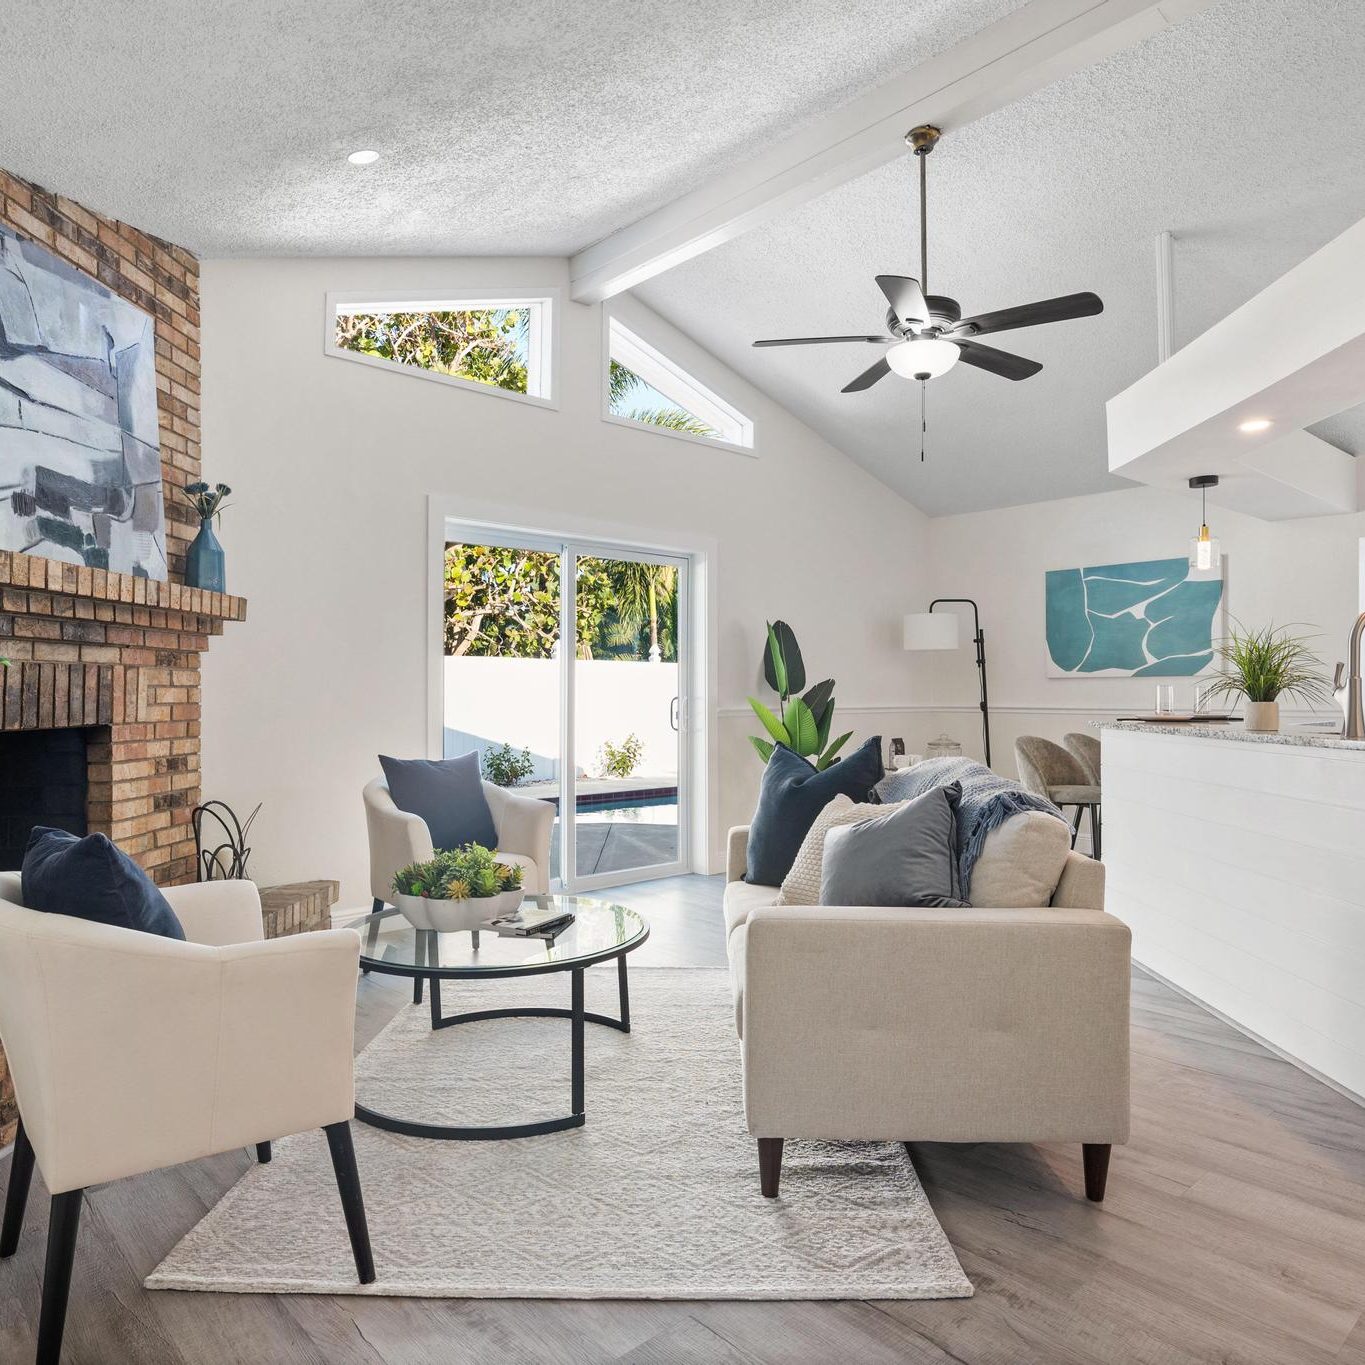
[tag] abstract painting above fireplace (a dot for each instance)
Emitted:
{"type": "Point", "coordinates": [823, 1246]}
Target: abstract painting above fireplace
{"type": "Point", "coordinates": [80, 456]}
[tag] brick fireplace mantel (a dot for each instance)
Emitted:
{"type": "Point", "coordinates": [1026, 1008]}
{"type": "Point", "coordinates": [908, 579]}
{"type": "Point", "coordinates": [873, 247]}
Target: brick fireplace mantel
{"type": "Point", "coordinates": [90, 648]}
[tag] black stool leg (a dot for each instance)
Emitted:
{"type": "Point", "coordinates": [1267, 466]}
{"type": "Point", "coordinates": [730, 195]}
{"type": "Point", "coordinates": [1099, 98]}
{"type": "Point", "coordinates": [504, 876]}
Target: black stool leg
{"type": "Point", "coordinates": [16, 1200]}
{"type": "Point", "coordinates": [263, 1153]}
{"type": "Point", "coordinates": [63, 1225]}
{"type": "Point", "coordinates": [352, 1201]}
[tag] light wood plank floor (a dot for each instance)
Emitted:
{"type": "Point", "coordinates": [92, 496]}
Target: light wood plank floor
{"type": "Point", "coordinates": [1234, 1232]}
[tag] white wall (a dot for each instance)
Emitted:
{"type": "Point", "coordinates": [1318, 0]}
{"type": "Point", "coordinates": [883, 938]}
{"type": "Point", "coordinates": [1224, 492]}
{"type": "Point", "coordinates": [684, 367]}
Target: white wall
{"type": "Point", "coordinates": [492, 701]}
{"type": "Point", "coordinates": [1305, 573]}
{"type": "Point", "coordinates": [332, 463]}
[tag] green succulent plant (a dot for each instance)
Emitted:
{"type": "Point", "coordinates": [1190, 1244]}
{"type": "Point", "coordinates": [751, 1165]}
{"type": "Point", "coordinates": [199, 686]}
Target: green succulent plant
{"type": "Point", "coordinates": [470, 872]}
{"type": "Point", "coordinates": [803, 722]}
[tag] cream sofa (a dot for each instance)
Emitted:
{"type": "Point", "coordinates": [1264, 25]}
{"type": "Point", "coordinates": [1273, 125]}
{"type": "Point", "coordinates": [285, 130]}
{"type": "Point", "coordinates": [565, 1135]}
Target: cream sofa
{"type": "Point", "coordinates": [971, 1025]}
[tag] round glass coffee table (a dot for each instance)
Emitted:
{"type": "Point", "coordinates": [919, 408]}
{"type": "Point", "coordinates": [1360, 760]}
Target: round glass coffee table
{"type": "Point", "coordinates": [600, 932]}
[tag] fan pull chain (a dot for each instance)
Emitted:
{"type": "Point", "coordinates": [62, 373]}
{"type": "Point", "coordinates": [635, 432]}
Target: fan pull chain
{"type": "Point", "coordinates": [923, 419]}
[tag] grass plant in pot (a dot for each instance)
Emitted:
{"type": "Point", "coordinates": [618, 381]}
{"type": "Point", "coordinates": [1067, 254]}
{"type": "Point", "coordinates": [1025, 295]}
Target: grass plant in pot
{"type": "Point", "coordinates": [1261, 666]}
{"type": "Point", "coordinates": [456, 889]}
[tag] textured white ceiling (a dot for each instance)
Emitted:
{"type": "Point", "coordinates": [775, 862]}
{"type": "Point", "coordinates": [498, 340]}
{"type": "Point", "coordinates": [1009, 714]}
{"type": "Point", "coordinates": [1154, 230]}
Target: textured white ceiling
{"type": "Point", "coordinates": [520, 127]}
{"type": "Point", "coordinates": [1242, 131]}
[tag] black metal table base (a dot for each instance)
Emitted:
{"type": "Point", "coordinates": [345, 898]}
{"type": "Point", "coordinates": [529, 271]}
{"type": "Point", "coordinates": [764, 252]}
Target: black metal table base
{"type": "Point", "coordinates": [577, 1016]}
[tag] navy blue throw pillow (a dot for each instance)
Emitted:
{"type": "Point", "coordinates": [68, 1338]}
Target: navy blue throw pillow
{"type": "Point", "coordinates": [92, 878]}
{"type": "Point", "coordinates": [793, 794]}
{"type": "Point", "coordinates": [447, 793]}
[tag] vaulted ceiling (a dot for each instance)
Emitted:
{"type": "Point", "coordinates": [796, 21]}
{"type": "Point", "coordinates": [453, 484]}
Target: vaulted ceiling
{"type": "Point", "coordinates": [1240, 131]}
{"type": "Point", "coordinates": [533, 128]}
{"type": "Point", "coordinates": [517, 128]}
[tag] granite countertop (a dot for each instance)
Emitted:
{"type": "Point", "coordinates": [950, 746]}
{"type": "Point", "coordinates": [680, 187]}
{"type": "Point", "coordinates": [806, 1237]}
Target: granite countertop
{"type": "Point", "coordinates": [1295, 737]}
{"type": "Point", "coordinates": [1304, 737]}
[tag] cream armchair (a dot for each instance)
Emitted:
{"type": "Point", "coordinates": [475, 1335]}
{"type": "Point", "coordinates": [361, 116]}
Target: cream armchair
{"type": "Point", "coordinates": [398, 838]}
{"type": "Point", "coordinates": [130, 1052]}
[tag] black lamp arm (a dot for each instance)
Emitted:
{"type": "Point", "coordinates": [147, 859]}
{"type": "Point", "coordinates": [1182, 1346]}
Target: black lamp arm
{"type": "Point", "coordinates": [979, 639]}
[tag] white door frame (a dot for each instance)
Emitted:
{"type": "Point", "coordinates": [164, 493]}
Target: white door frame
{"type": "Point", "coordinates": [456, 517]}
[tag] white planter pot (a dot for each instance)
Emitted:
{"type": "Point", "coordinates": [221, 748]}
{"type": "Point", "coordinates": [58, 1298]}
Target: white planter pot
{"type": "Point", "coordinates": [505, 903]}
{"type": "Point", "coordinates": [1262, 717]}
{"type": "Point", "coordinates": [446, 917]}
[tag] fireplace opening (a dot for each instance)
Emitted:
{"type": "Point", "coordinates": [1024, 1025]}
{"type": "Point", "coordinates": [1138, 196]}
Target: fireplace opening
{"type": "Point", "coordinates": [43, 781]}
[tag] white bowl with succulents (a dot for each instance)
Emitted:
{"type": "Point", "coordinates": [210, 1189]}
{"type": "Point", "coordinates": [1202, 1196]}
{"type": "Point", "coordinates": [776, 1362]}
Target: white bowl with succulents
{"type": "Point", "coordinates": [457, 889]}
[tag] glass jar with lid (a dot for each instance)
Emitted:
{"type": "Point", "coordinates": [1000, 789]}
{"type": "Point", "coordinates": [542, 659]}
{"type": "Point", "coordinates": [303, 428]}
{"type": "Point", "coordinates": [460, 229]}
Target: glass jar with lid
{"type": "Point", "coordinates": [945, 746]}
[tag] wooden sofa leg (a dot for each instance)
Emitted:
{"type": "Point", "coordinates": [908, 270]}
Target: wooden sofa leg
{"type": "Point", "coordinates": [769, 1165]}
{"type": "Point", "coordinates": [1096, 1158]}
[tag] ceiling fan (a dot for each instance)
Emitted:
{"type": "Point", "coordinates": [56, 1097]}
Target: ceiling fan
{"type": "Point", "coordinates": [929, 335]}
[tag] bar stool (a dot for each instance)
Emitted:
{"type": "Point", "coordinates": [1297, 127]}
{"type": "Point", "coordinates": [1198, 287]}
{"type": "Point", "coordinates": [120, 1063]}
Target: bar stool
{"type": "Point", "coordinates": [1049, 770]}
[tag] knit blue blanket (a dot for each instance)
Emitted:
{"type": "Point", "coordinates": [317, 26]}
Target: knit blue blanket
{"type": "Point", "coordinates": [988, 800]}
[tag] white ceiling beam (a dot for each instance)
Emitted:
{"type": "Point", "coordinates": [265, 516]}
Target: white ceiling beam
{"type": "Point", "coordinates": [1037, 44]}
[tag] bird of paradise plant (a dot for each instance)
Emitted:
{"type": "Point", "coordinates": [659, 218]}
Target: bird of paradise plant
{"type": "Point", "coordinates": [802, 722]}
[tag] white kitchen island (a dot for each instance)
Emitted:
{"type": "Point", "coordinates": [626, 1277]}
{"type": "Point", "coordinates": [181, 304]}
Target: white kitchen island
{"type": "Point", "coordinates": [1238, 861]}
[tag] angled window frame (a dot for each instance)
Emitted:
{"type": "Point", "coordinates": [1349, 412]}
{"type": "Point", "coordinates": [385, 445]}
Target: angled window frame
{"type": "Point", "coordinates": [622, 343]}
{"type": "Point", "coordinates": [542, 358]}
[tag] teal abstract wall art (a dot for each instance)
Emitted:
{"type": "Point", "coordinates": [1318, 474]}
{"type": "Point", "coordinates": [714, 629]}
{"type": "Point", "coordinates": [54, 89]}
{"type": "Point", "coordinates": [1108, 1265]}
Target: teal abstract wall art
{"type": "Point", "coordinates": [1150, 619]}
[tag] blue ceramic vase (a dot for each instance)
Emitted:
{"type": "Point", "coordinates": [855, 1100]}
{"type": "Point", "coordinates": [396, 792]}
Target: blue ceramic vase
{"type": "Point", "coordinates": [204, 560]}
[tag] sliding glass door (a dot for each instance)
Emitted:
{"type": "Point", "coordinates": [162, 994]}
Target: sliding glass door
{"type": "Point", "coordinates": [564, 667]}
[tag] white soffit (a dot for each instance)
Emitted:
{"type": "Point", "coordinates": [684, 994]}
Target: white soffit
{"type": "Point", "coordinates": [1292, 355]}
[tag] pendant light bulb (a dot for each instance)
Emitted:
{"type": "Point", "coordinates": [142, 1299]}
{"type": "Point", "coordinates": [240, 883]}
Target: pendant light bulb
{"type": "Point", "coordinates": [1206, 554]}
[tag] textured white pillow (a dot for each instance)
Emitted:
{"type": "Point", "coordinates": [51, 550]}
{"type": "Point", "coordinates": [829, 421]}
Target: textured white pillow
{"type": "Point", "coordinates": [1021, 862]}
{"type": "Point", "coordinates": [801, 886]}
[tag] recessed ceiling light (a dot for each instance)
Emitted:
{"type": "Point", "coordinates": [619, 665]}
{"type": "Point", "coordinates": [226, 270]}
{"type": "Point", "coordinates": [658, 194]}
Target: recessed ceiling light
{"type": "Point", "coordinates": [1254, 424]}
{"type": "Point", "coordinates": [363, 158]}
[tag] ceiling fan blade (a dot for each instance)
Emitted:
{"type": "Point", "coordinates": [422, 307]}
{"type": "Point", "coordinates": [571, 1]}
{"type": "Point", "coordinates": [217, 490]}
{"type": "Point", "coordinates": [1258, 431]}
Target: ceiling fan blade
{"type": "Point", "coordinates": [868, 377]}
{"type": "Point", "coordinates": [820, 341]}
{"type": "Point", "coordinates": [905, 297]}
{"type": "Point", "coordinates": [1003, 363]}
{"type": "Point", "coordinates": [1032, 314]}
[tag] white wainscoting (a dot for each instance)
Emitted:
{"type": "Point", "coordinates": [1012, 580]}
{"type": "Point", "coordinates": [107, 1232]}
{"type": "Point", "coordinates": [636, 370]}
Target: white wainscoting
{"type": "Point", "coordinates": [1241, 870]}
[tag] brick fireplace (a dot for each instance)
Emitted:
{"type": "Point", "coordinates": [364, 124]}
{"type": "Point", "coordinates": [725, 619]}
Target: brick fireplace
{"type": "Point", "coordinates": [108, 657]}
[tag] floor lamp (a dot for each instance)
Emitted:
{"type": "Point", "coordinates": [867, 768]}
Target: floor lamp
{"type": "Point", "coordinates": [931, 630]}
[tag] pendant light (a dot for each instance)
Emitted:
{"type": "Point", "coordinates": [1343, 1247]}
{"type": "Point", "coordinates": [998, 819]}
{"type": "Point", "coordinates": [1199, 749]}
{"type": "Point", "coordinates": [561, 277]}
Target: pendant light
{"type": "Point", "coordinates": [1205, 551]}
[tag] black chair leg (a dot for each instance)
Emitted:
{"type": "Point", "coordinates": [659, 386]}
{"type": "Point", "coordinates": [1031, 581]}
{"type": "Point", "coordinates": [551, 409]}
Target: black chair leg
{"type": "Point", "coordinates": [352, 1201]}
{"type": "Point", "coordinates": [374, 933]}
{"type": "Point", "coordinates": [1095, 825]}
{"type": "Point", "coordinates": [63, 1225]}
{"type": "Point", "coordinates": [16, 1199]}
{"type": "Point", "coordinates": [263, 1153]}
{"type": "Point", "coordinates": [1076, 825]}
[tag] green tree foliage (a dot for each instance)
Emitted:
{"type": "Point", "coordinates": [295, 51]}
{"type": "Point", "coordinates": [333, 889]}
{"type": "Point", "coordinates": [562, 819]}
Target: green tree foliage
{"type": "Point", "coordinates": [505, 603]}
{"type": "Point", "coordinates": [486, 345]}
{"type": "Point", "coordinates": [626, 387]}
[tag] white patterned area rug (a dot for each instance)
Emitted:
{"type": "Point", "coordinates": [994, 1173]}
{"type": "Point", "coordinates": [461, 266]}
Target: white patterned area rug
{"type": "Point", "coordinates": [656, 1197]}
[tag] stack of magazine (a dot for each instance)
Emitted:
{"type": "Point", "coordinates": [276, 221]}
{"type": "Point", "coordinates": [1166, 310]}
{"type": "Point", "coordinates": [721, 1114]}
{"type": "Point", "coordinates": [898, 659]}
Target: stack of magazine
{"type": "Point", "coordinates": [533, 921]}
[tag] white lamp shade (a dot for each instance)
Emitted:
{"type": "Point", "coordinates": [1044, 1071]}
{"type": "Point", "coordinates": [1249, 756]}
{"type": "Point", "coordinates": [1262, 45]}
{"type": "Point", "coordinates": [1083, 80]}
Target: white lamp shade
{"type": "Point", "coordinates": [930, 630]}
{"type": "Point", "coordinates": [922, 357]}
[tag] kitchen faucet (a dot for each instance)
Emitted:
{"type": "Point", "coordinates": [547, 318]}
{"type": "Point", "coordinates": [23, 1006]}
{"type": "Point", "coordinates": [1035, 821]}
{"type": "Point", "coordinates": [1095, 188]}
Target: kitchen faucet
{"type": "Point", "coordinates": [1355, 712]}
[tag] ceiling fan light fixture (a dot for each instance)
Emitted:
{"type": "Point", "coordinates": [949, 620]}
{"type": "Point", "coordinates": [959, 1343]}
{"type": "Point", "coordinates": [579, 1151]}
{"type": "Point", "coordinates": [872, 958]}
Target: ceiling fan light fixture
{"type": "Point", "coordinates": [922, 357]}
